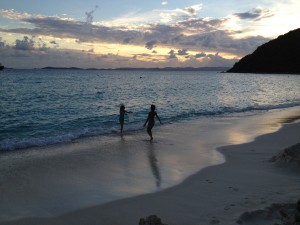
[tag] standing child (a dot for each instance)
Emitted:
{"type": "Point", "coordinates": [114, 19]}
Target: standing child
{"type": "Point", "coordinates": [151, 121]}
{"type": "Point", "coordinates": [122, 116]}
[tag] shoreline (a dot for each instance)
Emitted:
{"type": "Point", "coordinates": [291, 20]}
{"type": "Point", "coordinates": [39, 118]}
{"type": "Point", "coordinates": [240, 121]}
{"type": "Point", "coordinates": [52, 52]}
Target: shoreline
{"type": "Point", "coordinates": [245, 182]}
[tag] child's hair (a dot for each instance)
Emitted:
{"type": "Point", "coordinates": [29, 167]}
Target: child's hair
{"type": "Point", "coordinates": [152, 107]}
{"type": "Point", "coordinates": [122, 107]}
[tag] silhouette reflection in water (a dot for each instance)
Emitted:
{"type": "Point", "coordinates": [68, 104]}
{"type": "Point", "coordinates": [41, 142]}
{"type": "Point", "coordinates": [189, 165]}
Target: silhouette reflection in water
{"type": "Point", "coordinates": [154, 164]}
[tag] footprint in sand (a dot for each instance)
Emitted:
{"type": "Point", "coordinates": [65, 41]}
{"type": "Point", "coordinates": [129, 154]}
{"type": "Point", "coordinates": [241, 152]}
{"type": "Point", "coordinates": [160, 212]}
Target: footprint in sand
{"type": "Point", "coordinates": [246, 200]}
{"type": "Point", "coordinates": [234, 189]}
{"type": "Point", "coordinates": [229, 207]}
{"type": "Point", "coordinates": [214, 221]}
{"type": "Point", "coordinates": [263, 201]}
{"type": "Point", "coordinates": [209, 181]}
{"type": "Point", "coordinates": [226, 208]}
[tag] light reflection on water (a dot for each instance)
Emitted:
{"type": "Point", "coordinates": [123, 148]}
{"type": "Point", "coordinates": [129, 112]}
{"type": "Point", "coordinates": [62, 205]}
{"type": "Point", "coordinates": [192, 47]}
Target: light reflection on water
{"type": "Point", "coordinates": [266, 123]}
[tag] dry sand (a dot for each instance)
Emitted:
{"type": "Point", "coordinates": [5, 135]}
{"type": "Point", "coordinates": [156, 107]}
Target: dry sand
{"type": "Point", "coordinates": [228, 193]}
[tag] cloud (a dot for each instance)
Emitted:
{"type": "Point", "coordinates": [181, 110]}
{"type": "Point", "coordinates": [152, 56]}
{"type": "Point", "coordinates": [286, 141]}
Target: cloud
{"type": "Point", "coordinates": [90, 15]}
{"type": "Point", "coordinates": [172, 54]}
{"type": "Point", "coordinates": [182, 52]}
{"type": "Point", "coordinates": [200, 55]}
{"type": "Point", "coordinates": [13, 14]}
{"type": "Point", "coordinates": [56, 45]}
{"type": "Point", "coordinates": [2, 44]}
{"type": "Point", "coordinates": [255, 14]}
{"type": "Point", "coordinates": [29, 44]}
{"type": "Point", "coordinates": [128, 40]}
{"type": "Point", "coordinates": [192, 10]}
{"type": "Point", "coordinates": [25, 44]}
{"type": "Point", "coordinates": [150, 45]}
{"type": "Point", "coordinates": [35, 58]}
{"type": "Point", "coordinates": [164, 2]}
{"type": "Point", "coordinates": [190, 32]}
{"type": "Point", "coordinates": [201, 33]}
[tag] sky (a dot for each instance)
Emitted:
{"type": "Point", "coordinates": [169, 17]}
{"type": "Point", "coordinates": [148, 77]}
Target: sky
{"type": "Point", "coordinates": [139, 33]}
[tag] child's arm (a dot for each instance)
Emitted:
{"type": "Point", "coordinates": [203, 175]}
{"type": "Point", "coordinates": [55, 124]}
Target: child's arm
{"type": "Point", "coordinates": [158, 118]}
{"type": "Point", "coordinates": [146, 120]}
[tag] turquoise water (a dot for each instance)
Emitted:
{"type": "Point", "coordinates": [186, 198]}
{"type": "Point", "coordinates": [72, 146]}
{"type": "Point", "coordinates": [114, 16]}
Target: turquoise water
{"type": "Point", "coordinates": [42, 107]}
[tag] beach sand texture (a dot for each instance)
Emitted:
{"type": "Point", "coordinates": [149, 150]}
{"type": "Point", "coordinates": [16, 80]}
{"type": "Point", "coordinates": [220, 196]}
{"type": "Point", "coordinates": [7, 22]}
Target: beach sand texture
{"type": "Point", "coordinates": [222, 193]}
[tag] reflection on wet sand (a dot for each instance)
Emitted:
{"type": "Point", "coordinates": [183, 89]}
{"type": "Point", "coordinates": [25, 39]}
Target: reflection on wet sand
{"type": "Point", "coordinates": [267, 123]}
{"type": "Point", "coordinates": [154, 164]}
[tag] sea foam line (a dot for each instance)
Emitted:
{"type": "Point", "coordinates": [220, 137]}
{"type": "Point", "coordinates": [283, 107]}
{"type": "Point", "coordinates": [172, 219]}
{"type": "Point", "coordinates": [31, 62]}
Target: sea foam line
{"type": "Point", "coordinates": [13, 144]}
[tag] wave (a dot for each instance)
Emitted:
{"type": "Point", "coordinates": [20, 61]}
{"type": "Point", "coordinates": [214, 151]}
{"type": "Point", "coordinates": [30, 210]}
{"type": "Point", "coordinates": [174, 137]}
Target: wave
{"type": "Point", "coordinates": [14, 144]}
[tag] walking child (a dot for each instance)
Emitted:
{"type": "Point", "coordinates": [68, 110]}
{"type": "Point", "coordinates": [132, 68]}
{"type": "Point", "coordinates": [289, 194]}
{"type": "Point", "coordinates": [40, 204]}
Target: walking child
{"type": "Point", "coordinates": [122, 116]}
{"type": "Point", "coordinates": [151, 121]}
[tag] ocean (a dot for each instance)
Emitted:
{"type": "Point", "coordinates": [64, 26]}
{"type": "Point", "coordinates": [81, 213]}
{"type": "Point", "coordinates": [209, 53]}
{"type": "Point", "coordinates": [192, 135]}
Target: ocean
{"type": "Point", "coordinates": [44, 107]}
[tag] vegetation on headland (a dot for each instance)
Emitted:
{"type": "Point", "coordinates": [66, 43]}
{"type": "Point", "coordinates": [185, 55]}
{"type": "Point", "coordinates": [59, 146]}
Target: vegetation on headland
{"type": "Point", "coordinates": [280, 55]}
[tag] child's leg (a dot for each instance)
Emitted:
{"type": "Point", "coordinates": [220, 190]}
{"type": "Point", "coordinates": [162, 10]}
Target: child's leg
{"type": "Point", "coordinates": [122, 124]}
{"type": "Point", "coordinates": [149, 131]}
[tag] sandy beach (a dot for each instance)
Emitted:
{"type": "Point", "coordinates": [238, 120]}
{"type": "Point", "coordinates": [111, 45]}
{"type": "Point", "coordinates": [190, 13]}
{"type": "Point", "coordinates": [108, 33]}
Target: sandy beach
{"type": "Point", "coordinates": [208, 171]}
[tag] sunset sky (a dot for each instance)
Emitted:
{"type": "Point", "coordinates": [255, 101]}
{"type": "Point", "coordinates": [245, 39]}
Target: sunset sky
{"type": "Point", "coordinates": [138, 33]}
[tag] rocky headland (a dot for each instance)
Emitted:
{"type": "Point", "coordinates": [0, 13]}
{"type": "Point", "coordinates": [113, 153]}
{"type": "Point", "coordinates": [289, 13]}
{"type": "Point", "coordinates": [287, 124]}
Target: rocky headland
{"type": "Point", "coordinates": [280, 55]}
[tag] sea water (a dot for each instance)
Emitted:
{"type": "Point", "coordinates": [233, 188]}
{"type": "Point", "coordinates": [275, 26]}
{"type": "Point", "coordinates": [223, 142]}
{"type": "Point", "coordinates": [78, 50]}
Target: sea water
{"type": "Point", "coordinates": [42, 107]}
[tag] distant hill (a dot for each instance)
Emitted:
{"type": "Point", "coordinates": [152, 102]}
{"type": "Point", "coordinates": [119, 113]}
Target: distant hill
{"type": "Point", "coordinates": [281, 55]}
{"type": "Point", "coordinates": [150, 69]}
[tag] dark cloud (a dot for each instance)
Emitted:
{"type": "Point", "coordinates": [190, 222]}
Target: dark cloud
{"type": "Point", "coordinates": [151, 44]}
{"type": "Point", "coordinates": [2, 43]}
{"type": "Point", "coordinates": [201, 24]}
{"type": "Point", "coordinates": [200, 55]}
{"type": "Point", "coordinates": [172, 54]}
{"type": "Point", "coordinates": [190, 10]}
{"type": "Point", "coordinates": [16, 58]}
{"type": "Point", "coordinates": [196, 34]}
{"type": "Point", "coordinates": [61, 28]}
{"type": "Point", "coordinates": [182, 52]}
{"type": "Point", "coordinates": [90, 15]}
{"type": "Point", "coordinates": [127, 40]}
{"type": "Point", "coordinates": [204, 34]}
{"type": "Point", "coordinates": [222, 41]}
{"type": "Point", "coordinates": [255, 14]}
{"type": "Point", "coordinates": [25, 44]}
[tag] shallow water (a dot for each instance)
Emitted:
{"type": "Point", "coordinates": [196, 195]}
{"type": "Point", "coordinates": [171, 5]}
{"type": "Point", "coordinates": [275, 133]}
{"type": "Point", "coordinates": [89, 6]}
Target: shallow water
{"type": "Point", "coordinates": [42, 107]}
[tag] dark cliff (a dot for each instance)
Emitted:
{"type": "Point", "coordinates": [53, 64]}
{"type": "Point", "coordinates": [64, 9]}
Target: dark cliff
{"type": "Point", "coordinates": [281, 55]}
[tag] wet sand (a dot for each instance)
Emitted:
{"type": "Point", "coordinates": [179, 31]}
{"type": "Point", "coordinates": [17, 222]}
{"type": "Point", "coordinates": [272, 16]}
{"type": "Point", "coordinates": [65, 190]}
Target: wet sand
{"type": "Point", "coordinates": [180, 176]}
